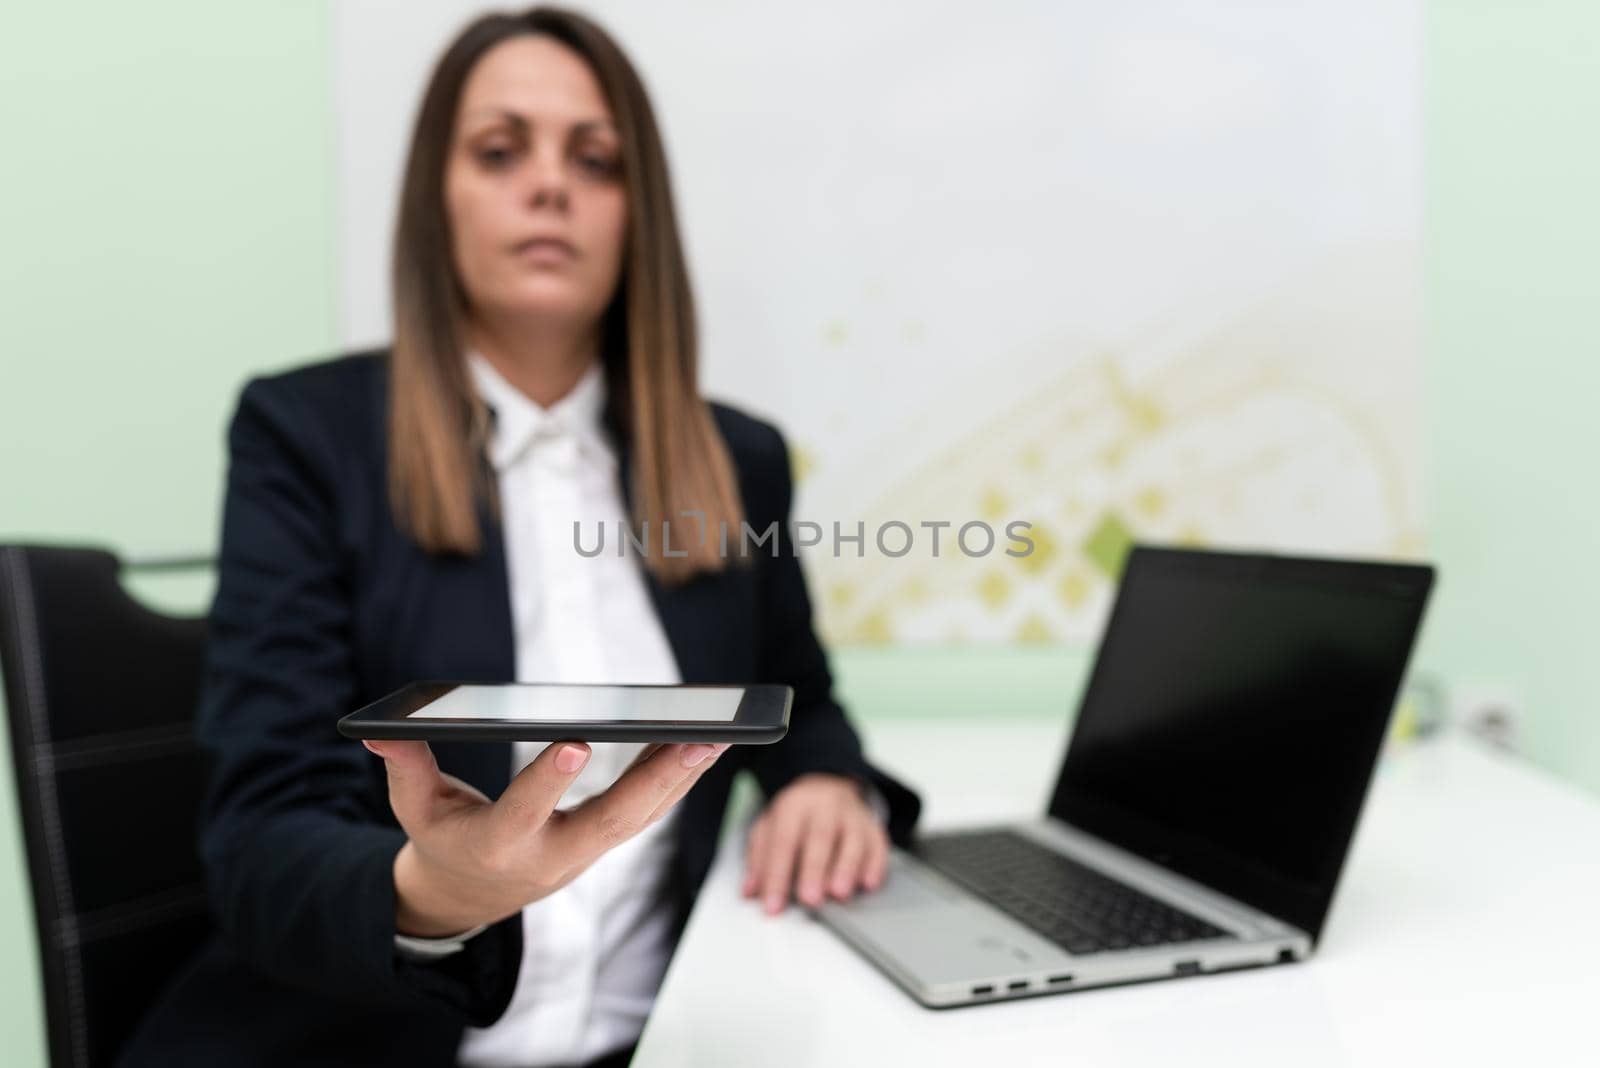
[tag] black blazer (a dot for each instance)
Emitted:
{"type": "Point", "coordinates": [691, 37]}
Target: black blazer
{"type": "Point", "coordinates": [322, 605]}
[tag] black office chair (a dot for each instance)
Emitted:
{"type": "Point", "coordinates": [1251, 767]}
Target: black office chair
{"type": "Point", "coordinates": [100, 692]}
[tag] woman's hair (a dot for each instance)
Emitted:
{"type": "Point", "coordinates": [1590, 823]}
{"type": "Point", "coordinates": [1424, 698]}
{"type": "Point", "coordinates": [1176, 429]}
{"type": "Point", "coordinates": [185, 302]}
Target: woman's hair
{"type": "Point", "coordinates": [648, 338]}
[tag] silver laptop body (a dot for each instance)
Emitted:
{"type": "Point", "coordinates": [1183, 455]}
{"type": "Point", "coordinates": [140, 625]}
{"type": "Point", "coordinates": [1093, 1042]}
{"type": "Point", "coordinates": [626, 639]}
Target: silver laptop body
{"type": "Point", "coordinates": [1203, 664]}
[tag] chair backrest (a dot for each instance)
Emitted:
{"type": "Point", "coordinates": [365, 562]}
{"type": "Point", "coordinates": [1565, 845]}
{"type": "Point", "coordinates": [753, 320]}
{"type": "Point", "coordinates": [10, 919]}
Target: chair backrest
{"type": "Point", "coordinates": [100, 694]}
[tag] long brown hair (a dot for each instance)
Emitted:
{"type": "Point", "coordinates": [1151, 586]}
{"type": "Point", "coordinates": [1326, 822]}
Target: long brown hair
{"type": "Point", "coordinates": [678, 460]}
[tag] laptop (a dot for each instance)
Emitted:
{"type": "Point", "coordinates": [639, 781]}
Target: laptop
{"type": "Point", "coordinates": [1210, 790]}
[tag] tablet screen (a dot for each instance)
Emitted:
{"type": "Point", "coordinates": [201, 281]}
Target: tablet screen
{"type": "Point", "coordinates": [585, 704]}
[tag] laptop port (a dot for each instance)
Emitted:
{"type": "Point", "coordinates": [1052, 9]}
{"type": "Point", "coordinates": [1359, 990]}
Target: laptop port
{"type": "Point", "coordinates": [1186, 967]}
{"type": "Point", "coordinates": [1020, 984]}
{"type": "Point", "coordinates": [1056, 980]}
{"type": "Point", "coordinates": [1285, 955]}
{"type": "Point", "coordinates": [986, 988]}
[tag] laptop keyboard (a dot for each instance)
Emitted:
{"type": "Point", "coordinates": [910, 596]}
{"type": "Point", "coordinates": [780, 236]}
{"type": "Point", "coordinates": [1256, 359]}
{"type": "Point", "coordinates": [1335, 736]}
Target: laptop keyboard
{"type": "Point", "coordinates": [1074, 905]}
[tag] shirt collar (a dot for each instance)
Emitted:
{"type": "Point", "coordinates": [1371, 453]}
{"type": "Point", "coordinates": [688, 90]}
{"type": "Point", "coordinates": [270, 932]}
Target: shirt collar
{"type": "Point", "coordinates": [518, 422]}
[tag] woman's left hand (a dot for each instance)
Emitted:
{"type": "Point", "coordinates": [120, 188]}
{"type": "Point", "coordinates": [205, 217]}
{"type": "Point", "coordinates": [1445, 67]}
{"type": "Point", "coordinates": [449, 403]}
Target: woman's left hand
{"type": "Point", "coordinates": [818, 837]}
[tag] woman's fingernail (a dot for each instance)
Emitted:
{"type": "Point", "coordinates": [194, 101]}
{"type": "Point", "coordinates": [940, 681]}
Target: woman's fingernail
{"type": "Point", "coordinates": [571, 758]}
{"type": "Point", "coordinates": [372, 748]}
{"type": "Point", "coordinates": [695, 755]}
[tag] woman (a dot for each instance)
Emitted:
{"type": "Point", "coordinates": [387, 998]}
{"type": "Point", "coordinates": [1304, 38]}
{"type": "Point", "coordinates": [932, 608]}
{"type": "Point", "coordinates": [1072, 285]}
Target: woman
{"type": "Point", "coordinates": [410, 514]}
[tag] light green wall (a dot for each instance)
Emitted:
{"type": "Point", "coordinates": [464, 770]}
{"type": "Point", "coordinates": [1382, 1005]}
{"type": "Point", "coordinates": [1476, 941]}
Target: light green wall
{"type": "Point", "coordinates": [167, 230]}
{"type": "Point", "coordinates": [1513, 288]}
{"type": "Point", "coordinates": [167, 225]}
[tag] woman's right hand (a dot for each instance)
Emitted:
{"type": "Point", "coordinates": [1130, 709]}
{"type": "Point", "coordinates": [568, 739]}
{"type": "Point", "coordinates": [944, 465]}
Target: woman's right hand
{"type": "Point", "coordinates": [470, 861]}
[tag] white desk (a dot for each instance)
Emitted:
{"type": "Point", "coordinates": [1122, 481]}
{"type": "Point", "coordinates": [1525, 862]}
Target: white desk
{"type": "Point", "coordinates": [1466, 931]}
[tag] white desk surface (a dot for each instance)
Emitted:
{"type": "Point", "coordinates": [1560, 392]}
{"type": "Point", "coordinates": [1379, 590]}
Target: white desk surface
{"type": "Point", "coordinates": [1466, 931]}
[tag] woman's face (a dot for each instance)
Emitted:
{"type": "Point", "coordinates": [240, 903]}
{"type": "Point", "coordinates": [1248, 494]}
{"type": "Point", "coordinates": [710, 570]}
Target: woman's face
{"type": "Point", "coordinates": [533, 187]}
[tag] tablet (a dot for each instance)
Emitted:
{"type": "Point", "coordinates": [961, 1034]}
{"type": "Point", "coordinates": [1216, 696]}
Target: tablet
{"type": "Point", "coordinates": [548, 712]}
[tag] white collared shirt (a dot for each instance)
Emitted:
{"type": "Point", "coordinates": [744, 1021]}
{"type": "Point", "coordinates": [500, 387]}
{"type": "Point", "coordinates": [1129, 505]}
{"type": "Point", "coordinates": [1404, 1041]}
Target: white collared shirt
{"type": "Point", "coordinates": [595, 951]}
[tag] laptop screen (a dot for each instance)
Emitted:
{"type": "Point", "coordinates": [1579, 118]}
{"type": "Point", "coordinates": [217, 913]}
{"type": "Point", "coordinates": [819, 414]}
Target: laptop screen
{"type": "Point", "coordinates": [1234, 715]}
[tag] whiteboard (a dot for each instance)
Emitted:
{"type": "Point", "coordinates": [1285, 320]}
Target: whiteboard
{"type": "Point", "coordinates": [1118, 271]}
